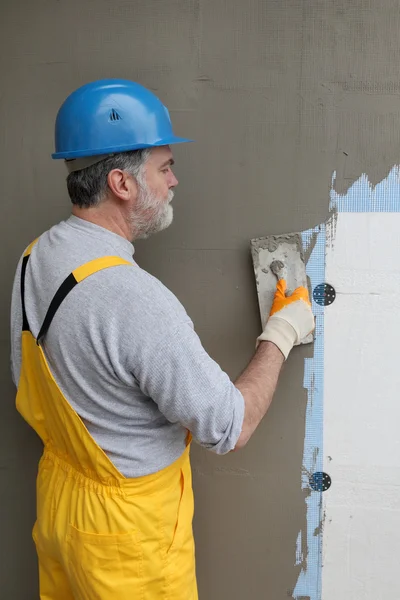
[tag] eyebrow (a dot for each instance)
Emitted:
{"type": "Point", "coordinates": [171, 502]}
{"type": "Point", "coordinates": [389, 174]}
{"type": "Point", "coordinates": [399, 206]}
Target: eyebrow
{"type": "Point", "coordinates": [169, 162]}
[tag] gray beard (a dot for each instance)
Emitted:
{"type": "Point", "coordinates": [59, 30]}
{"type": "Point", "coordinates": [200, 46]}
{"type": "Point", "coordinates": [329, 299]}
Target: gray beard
{"type": "Point", "coordinates": [151, 214]}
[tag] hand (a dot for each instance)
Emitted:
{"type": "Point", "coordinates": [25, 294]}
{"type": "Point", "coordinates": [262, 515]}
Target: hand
{"type": "Point", "coordinates": [290, 320]}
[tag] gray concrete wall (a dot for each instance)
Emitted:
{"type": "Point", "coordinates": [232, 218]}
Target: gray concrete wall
{"type": "Point", "coordinates": [278, 94]}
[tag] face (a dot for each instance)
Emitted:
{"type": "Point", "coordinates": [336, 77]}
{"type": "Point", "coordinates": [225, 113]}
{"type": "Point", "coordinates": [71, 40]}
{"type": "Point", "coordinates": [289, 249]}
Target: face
{"type": "Point", "coordinates": [153, 211]}
{"type": "Point", "coordinates": [158, 172]}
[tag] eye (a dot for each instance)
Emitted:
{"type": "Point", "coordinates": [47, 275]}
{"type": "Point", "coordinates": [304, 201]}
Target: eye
{"type": "Point", "coordinates": [166, 170]}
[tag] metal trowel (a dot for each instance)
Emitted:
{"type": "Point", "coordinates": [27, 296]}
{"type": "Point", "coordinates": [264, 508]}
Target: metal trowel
{"type": "Point", "coordinates": [284, 253]}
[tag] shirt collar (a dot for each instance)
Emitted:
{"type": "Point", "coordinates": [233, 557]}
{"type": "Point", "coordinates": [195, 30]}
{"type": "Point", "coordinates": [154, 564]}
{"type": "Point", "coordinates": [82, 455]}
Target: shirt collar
{"type": "Point", "coordinates": [118, 241]}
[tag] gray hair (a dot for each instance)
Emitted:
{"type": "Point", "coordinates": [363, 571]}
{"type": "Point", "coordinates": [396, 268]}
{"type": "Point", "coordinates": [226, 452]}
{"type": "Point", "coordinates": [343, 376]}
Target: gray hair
{"type": "Point", "coordinates": [88, 187]}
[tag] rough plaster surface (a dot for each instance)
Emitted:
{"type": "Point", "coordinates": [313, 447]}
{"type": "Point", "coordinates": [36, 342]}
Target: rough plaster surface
{"type": "Point", "coordinates": [278, 94]}
{"type": "Point", "coordinates": [361, 541]}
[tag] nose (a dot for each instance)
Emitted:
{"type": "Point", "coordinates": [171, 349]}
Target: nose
{"type": "Point", "coordinates": [173, 182]}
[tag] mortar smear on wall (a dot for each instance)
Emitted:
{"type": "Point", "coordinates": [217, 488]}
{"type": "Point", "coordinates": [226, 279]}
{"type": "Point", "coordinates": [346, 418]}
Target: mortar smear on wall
{"type": "Point", "coordinates": [362, 196]}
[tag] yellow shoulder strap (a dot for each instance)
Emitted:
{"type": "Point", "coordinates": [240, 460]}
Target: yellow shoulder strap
{"type": "Point", "coordinates": [91, 267]}
{"type": "Point", "coordinates": [29, 248]}
{"type": "Point", "coordinates": [98, 264]}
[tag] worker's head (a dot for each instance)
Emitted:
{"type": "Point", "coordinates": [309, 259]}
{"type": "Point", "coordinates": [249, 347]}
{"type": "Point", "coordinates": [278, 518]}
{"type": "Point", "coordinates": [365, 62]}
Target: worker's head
{"type": "Point", "coordinates": [138, 184]}
{"type": "Point", "coordinates": [115, 136]}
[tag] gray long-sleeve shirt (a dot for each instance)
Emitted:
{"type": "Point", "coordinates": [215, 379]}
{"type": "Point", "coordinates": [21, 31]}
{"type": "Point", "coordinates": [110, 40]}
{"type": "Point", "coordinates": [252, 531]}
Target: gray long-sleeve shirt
{"type": "Point", "coordinates": [124, 353]}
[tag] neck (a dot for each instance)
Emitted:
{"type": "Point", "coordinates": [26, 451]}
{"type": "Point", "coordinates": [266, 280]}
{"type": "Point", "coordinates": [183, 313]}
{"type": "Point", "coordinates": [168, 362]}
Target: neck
{"type": "Point", "coordinates": [106, 217]}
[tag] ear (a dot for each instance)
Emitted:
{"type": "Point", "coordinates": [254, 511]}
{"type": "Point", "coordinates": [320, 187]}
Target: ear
{"type": "Point", "coordinates": [121, 184]}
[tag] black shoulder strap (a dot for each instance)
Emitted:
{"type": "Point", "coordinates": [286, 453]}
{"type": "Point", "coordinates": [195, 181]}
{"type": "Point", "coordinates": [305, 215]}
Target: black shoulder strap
{"type": "Point", "coordinates": [93, 266]}
{"type": "Point", "coordinates": [25, 259]}
{"type": "Point", "coordinates": [25, 324]}
{"type": "Point", "coordinates": [59, 296]}
{"type": "Point", "coordinates": [67, 285]}
{"type": "Point", "coordinates": [78, 275]}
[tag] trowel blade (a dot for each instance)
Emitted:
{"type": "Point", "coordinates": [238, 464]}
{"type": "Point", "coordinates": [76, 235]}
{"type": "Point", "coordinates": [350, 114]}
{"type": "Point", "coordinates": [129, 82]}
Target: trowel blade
{"type": "Point", "coordinates": [287, 248]}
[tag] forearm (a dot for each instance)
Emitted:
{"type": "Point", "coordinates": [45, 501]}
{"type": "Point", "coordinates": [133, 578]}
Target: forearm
{"type": "Point", "coordinates": [258, 384]}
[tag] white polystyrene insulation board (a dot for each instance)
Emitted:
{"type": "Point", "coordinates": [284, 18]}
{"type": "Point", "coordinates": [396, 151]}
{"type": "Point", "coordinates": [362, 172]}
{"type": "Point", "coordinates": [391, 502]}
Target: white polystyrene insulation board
{"type": "Point", "coordinates": [361, 446]}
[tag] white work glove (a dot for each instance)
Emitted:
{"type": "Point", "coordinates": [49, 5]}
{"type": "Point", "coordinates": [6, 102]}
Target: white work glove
{"type": "Point", "coordinates": [290, 320]}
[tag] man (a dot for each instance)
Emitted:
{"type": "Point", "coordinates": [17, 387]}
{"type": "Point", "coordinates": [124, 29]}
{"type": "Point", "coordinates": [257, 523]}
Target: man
{"type": "Point", "coordinates": [110, 372]}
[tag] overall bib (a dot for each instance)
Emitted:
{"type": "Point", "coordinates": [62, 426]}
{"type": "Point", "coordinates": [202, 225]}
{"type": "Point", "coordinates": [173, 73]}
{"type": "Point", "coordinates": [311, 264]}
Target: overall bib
{"type": "Point", "coordinates": [99, 535]}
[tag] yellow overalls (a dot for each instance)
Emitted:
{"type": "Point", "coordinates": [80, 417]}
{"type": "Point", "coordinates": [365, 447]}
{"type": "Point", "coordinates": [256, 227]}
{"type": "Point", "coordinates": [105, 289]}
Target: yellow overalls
{"type": "Point", "coordinates": [99, 535]}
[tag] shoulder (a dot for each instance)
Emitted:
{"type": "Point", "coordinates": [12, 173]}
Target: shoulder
{"type": "Point", "coordinates": [130, 290]}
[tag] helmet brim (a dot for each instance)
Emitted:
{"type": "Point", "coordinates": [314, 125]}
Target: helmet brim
{"type": "Point", "coordinates": [169, 141]}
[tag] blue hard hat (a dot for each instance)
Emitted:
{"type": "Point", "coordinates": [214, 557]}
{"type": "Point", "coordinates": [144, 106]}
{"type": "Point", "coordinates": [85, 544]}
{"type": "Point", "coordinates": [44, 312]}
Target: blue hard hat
{"type": "Point", "coordinates": [109, 116]}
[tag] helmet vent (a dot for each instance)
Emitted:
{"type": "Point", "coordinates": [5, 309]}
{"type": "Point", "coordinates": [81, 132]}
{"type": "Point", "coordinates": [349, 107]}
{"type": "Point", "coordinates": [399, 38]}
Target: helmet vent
{"type": "Point", "coordinates": [114, 115]}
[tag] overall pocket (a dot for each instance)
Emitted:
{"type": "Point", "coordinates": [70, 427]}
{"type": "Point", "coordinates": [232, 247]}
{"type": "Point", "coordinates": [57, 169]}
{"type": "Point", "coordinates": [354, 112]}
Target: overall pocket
{"type": "Point", "coordinates": [182, 509]}
{"type": "Point", "coordinates": [180, 555]}
{"type": "Point", "coordinates": [105, 566]}
{"type": "Point", "coordinates": [173, 542]}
